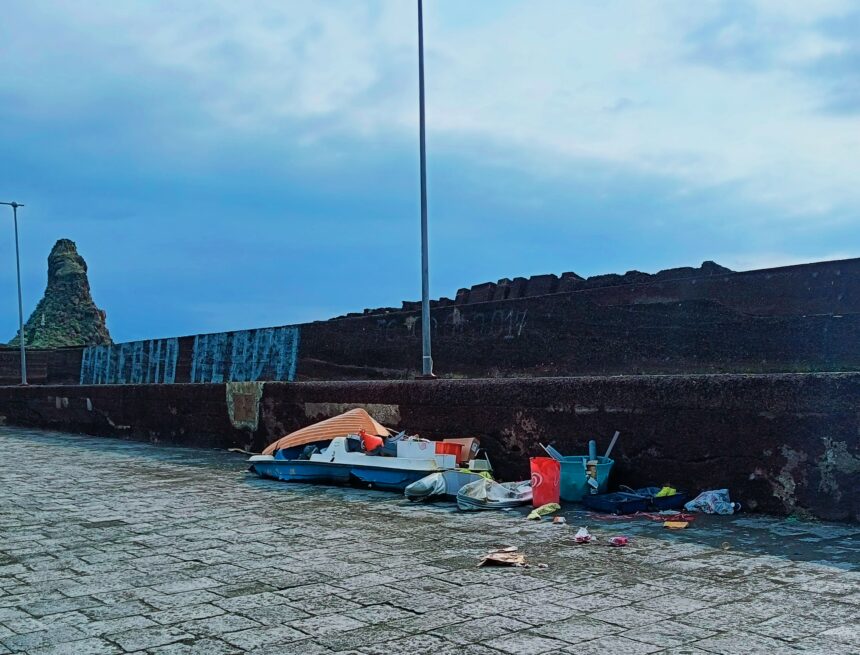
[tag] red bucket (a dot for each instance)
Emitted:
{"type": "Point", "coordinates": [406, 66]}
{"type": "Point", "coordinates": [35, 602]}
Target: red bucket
{"type": "Point", "coordinates": [448, 449]}
{"type": "Point", "coordinates": [546, 480]}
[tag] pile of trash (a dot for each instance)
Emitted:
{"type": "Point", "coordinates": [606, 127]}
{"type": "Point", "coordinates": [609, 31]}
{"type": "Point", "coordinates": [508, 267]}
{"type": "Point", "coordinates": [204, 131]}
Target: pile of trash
{"type": "Point", "coordinates": [354, 448]}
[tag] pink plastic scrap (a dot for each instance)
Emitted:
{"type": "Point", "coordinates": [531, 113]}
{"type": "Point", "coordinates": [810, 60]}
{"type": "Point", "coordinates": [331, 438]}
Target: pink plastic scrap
{"type": "Point", "coordinates": [618, 541]}
{"type": "Point", "coordinates": [583, 536]}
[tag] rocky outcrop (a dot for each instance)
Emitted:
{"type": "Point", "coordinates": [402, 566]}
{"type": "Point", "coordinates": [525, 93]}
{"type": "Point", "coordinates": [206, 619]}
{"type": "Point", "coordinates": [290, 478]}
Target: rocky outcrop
{"type": "Point", "coordinates": [66, 315]}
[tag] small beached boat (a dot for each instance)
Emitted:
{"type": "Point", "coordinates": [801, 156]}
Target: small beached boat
{"type": "Point", "coordinates": [444, 484]}
{"type": "Point", "coordinates": [353, 448]}
{"type": "Point", "coordinates": [343, 462]}
{"type": "Point", "coordinates": [488, 494]}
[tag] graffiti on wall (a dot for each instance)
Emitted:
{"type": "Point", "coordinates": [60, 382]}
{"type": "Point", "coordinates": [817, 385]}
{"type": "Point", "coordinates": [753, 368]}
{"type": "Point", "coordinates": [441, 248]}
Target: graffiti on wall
{"type": "Point", "coordinates": [506, 324]}
{"type": "Point", "coordinates": [246, 356]}
{"type": "Point", "coordinates": [134, 362]}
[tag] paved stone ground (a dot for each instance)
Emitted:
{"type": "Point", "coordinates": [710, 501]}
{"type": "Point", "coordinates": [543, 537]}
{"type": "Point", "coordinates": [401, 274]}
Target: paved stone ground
{"type": "Point", "coordinates": [115, 547]}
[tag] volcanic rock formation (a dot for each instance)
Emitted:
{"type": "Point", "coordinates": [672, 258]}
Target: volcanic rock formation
{"type": "Point", "coordinates": [66, 315]}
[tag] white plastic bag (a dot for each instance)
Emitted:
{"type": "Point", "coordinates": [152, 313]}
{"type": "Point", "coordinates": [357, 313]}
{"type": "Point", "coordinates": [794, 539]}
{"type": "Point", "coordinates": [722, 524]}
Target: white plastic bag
{"type": "Point", "coordinates": [583, 536]}
{"type": "Point", "coordinates": [713, 502]}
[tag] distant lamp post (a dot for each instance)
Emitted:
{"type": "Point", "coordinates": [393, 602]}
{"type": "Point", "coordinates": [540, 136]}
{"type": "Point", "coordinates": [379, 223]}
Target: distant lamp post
{"type": "Point", "coordinates": [427, 359]}
{"type": "Point", "coordinates": [14, 206]}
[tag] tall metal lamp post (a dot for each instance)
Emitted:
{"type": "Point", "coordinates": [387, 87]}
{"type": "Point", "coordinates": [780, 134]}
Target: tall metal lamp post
{"type": "Point", "coordinates": [14, 206]}
{"type": "Point", "coordinates": [427, 359]}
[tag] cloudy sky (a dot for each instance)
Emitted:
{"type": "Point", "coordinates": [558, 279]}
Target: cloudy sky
{"type": "Point", "coordinates": [225, 164]}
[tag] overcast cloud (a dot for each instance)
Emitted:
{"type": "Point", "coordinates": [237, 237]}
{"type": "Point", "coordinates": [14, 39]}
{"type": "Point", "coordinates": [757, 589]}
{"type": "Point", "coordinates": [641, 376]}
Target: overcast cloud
{"type": "Point", "coordinates": [195, 149]}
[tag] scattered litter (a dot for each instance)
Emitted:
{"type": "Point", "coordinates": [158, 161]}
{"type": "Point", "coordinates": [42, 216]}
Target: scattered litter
{"type": "Point", "coordinates": [713, 502]}
{"type": "Point", "coordinates": [663, 498]}
{"type": "Point", "coordinates": [618, 541]}
{"type": "Point", "coordinates": [612, 444]}
{"type": "Point", "coordinates": [583, 536]}
{"type": "Point", "coordinates": [582, 475]}
{"type": "Point", "coordinates": [632, 501]}
{"type": "Point", "coordinates": [427, 487]}
{"type": "Point", "coordinates": [660, 517]}
{"type": "Point", "coordinates": [676, 525]}
{"type": "Point", "coordinates": [552, 452]}
{"type": "Point", "coordinates": [546, 481]}
{"type": "Point", "coordinates": [543, 510]}
{"type": "Point", "coordinates": [486, 494]}
{"type": "Point", "coordinates": [506, 556]}
{"type": "Point", "coordinates": [441, 484]}
{"type": "Point", "coordinates": [726, 545]}
{"type": "Point", "coordinates": [559, 520]}
{"type": "Point", "coordinates": [678, 516]}
{"type": "Point", "coordinates": [591, 470]}
{"type": "Point", "coordinates": [543, 566]}
{"type": "Point", "coordinates": [619, 502]}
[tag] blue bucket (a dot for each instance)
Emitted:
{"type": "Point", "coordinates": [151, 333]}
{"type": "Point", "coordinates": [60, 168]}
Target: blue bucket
{"type": "Point", "coordinates": [574, 483]}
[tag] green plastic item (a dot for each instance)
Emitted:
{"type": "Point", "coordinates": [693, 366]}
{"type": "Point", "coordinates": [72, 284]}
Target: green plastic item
{"type": "Point", "coordinates": [543, 510]}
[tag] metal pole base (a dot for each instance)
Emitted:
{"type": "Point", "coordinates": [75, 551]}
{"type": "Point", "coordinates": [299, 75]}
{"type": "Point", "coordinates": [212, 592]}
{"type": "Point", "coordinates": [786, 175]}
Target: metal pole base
{"type": "Point", "coordinates": [428, 369]}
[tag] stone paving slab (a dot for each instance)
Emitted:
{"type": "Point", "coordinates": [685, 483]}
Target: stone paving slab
{"type": "Point", "coordinates": [115, 547]}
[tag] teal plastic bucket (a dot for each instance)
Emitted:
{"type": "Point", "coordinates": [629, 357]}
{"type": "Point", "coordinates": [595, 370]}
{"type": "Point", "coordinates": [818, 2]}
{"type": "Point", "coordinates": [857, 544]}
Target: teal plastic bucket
{"type": "Point", "coordinates": [574, 479]}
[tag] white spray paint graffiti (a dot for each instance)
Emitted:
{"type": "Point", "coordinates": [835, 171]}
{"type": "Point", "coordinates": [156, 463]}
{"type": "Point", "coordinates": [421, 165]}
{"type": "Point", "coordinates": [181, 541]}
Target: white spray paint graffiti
{"type": "Point", "coordinates": [135, 362]}
{"type": "Point", "coordinates": [246, 356]}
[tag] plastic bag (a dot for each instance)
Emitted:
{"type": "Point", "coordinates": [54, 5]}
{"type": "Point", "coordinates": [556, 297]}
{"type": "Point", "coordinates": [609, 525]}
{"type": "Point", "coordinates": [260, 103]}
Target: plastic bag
{"type": "Point", "coordinates": [543, 510]}
{"type": "Point", "coordinates": [428, 487]}
{"type": "Point", "coordinates": [583, 536]}
{"type": "Point", "coordinates": [713, 502]}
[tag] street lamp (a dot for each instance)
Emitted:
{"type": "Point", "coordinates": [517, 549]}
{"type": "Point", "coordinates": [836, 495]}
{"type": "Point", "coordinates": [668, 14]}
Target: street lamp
{"type": "Point", "coordinates": [427, 359]}
{"type": "Point", "coordinates": [14, 206]}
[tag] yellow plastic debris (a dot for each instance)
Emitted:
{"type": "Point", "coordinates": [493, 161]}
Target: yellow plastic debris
{"type": "Point", "coordinates": [543, 510]}
{"type": "Point", "coordinates": [666, 491]}
{"type": "Point", "coordinates": [676, 525]}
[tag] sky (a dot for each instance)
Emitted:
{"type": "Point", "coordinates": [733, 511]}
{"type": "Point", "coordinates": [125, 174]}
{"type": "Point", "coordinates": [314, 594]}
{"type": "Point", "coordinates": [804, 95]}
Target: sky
{"type": "Point", "coordinates": [226, 165]}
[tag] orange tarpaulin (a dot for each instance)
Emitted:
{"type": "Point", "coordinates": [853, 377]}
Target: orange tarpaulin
{"type": "Point", "coordinates": [336, 426]}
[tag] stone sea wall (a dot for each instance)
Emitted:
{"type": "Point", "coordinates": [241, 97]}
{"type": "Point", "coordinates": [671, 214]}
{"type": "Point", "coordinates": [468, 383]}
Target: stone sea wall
{"type": "Point", "coordinates": [783, 444]}
{"type": "Point", "coordinates": [803, 318]}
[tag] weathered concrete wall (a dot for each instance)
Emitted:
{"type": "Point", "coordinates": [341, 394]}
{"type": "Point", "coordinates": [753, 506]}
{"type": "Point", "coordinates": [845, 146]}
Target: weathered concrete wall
{"type": "Point", "coordinates": [59, 366]}
{"type": "Point", "coordinates": [781, 443]}
{"type": "Point", "coordinates": [792, 319]}
{"type": "Point", "coordinates": [568, 334]}
{"type": "Point", "coordinates": [816, 288]}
